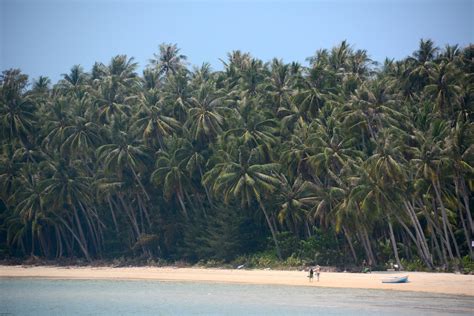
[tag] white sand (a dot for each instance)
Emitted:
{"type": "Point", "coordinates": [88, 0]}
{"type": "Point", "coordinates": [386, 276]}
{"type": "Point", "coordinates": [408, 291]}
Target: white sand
{"type": "Point", "coordinates": [447, 283]}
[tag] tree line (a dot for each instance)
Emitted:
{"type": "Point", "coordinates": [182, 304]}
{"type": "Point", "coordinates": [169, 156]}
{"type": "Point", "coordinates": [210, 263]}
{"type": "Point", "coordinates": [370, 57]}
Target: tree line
{"type": "Point", "coordinates": [339, 161]}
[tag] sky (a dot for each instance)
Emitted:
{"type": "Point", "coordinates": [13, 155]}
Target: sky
{"type": "Point", "coordinates": [48, 37]}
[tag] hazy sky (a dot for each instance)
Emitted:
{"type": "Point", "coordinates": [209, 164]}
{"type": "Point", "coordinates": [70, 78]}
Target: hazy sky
{"type": "Point", "coordinates": [47, 37]}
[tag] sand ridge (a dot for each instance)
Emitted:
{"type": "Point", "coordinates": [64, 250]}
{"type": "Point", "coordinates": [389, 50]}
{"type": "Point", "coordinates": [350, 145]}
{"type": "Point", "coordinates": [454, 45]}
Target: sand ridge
{"type": "Point", "coordinates": [445, 283]}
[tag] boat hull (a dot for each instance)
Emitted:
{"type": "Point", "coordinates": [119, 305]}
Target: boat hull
{"type": "Point", "coordinates": [402, 279]}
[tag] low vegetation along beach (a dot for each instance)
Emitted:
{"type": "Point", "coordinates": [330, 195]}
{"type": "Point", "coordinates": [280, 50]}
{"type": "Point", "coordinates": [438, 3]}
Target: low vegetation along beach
{"type": "Point", "coordinates": [442, 283]}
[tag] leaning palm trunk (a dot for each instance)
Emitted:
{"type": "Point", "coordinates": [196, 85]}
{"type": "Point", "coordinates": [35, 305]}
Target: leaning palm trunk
{"type": "Point", "coordinates": [131, 216]}
{"type": "Point", "coordinates": [205, 187]}
{"type": "Point", "coordinates": [436, 232]}
{"type": "Point", "coordinates": [81, 244]}
{"type": "Point", "coordinates": [461, 216]}
{"type": "Point", "coordinates": [351, 246]}
{"type": "Point", "coordinates": [394, 244]}
{"type": "Point", "coordinates": [444, 217]}
{"type": "Point", "coordinates": [416, 241]}
{"type": "Point", "coordinates": [364, 236]}
{"type": "Point", "coordinates": [272, 230]}
{"type": "Point", "coordinates": [420, 235]}
{"type": "Point", "coordinates": [181, 203]}
{"type": "Point", "coordinates": [466, 205]}
{"type": "Point", "coordinates": [466, 234]}
{"type": "Point", "coordinates": [79, 228]}
{"type": "Point", "coordinates": [140, 183]}
{"type": "Point", "coordinates": [112, 212]}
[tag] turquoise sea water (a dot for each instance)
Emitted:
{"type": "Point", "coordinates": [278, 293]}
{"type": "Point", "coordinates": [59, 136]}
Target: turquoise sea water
{"type": "Point", "coordinates": [107, 297]}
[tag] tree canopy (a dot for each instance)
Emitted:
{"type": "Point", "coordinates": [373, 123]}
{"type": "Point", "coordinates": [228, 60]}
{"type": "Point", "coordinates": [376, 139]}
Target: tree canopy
{"type": "Point", "coordinates": [338, 161]}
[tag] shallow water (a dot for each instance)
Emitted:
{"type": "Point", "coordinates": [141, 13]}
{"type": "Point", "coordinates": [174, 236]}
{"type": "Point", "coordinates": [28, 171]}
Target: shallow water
{"type": "Point", "coordinates": [128, 297]}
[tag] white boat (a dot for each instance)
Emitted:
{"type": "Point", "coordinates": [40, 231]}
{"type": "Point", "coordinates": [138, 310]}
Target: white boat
{"type": "Point", "coordinates": [399, 279]}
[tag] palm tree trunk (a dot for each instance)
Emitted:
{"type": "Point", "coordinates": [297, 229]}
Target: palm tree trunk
{"type": "Point", "coordinates": [444, 217]}
{"type": "Point", "coordinates": [369, 246]}
{"type": "Point", "coordinates": [81, 245]}
{"type": "Point", "coordinates": [466, 233]}
{"type": "Point", "coordinates": [181, 203]}
{"type": "Point", "coordinates": [205, 187]}
{"type": "Point", "coordinates": [466, 205]}
{"type": "Point", "coordinates": [394, 244]}
{"type": "Point", "coordinates": [308, 230]}
{"type": "Point", "coordinates": [438, 233]}
{"type": "Point", "coordinates": [349, 242]}
{"type": "Point", "coordinates": [444, 242]}
{"type": "Point", "coordinates": [272, 230]}
{"type": "Point", "coordinates": [461, 216]}
{"type": "Point", "coordinates": [92, 231]}
{"type": "Point", "coordinates": [144, 209]}
{"type": "Point", "coordinates": [140, 183]}
{"type": "Point", "coordinates": [456, 248]}
{"type": "Point", "coordinates": [59, 243]}
{"type": "Point", "coordinates": [419, 248]}
{"type": "Point", "coordinates": [364, 237]}
{"type": "Point", "coordinates": [131, 216]}
{"type": "Point", "coordinates": [112, 212]}
{"type": "Point", "coordinates": [420, 235]}
{"type": "Point", "coordinates": [32, 239]}
{"type": "Point", "coordinates": [79, 228]}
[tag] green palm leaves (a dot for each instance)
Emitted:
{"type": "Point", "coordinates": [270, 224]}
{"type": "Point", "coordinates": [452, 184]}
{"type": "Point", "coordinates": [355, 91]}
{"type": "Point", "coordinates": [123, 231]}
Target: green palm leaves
{"type": "Point", "coordinates": [106, 163]}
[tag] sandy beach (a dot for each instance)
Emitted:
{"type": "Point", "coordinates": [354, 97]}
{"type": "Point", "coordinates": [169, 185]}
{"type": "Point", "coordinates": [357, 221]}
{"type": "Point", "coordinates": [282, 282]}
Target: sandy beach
{"type": "Point", "coordinates": [446, 283]}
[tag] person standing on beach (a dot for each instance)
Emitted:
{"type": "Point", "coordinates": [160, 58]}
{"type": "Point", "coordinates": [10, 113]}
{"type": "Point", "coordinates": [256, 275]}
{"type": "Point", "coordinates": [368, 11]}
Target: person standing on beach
{"type": "Point", "coordinates": [318, 271]}
{"type": "Point", "coordinates": [310, 276]}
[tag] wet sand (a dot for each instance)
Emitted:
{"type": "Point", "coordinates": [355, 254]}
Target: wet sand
{"type": "Point", "coordinates": [445, 283]}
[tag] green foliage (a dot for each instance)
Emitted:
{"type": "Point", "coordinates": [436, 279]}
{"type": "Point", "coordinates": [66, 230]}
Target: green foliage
{"type": "Point", "coordinates": [289, 244]}
{"type": "Point", "coordinates": [269, 164]}
{"type": "Point", "coordinates": [322, 248]}
{"type": "Point", "coordinates": [467, 265]}
{"type": "Point", "coordinates": [414, 265]}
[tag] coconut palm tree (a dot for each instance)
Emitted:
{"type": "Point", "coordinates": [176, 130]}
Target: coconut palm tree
{"type": "Point", "coordinates": [152, 122]}
{"type": "Point", "coordinates": [245, 181]}
{"type": "Point", "coordinates": [172, 177]}
{"type": "Point", "coordinates": [124, 154]}
{"type": "Point", "coordinates": [295, 200]}
{"type": "Point", "coordinates": [205, 120]}
{"type": "Point", "coordinates": [17, 117]}
{"type": "Point", "coordinates": [169, 60]}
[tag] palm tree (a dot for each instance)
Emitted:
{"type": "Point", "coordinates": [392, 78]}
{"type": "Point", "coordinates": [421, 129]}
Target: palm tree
{"type": "Point", "coordinates": [428, 162]}
{"type": "Point", "coordinates": [192, 157]}
{"type": "Point", "coordinates": [420, 65]}
{"type": "Point", "coordinates": [29, 206]}
{"type": "Point", "coordinates": [154, 125]}
{"type": "Point", "coordinates": [256, 133]}
{"type": "Point", "coordinates": [74, 81]}
{"type": "Point", "coordinates": [169, 60]}
{"type": "Point", "coordinates": [169, 174]}
{"type": "Point", "coordinates": [124, 154]}
{"type": "Point", "coordinates": [460, 150]}
{"type": "Point", "coordinates": [66, 192]}
{"type": "Point", "coordinates": [82, 138]}
{"type": "Point", "coordinates": [176, 94]}
{"type": "Point", "coordinates": [17, 117]}
{"type": "Point", "coordinates": [296, 199]}
{"type": "Point", "coordinates": [280, 83]}
{"type": "Point", "coordinates": [246, 181]}
{"type": "Point", "coordinates": [204, 120]}
{"type": "Point", "coordinates": [110, 101]}
{"type": "Point", "coordinates": [444, 89]}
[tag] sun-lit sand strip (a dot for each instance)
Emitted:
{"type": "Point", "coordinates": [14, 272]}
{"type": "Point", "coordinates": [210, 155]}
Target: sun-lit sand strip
{"type": "Point", "coordinates": [446, 283]}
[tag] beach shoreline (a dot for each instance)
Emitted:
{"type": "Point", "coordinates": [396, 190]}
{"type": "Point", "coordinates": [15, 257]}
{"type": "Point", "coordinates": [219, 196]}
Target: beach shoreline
{"type": "Point", "coordinates": [440, 283]}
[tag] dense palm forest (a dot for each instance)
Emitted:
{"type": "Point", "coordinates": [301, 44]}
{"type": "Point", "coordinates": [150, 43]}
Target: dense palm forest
{"type": "Point", "coordinates": [341, 161]}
